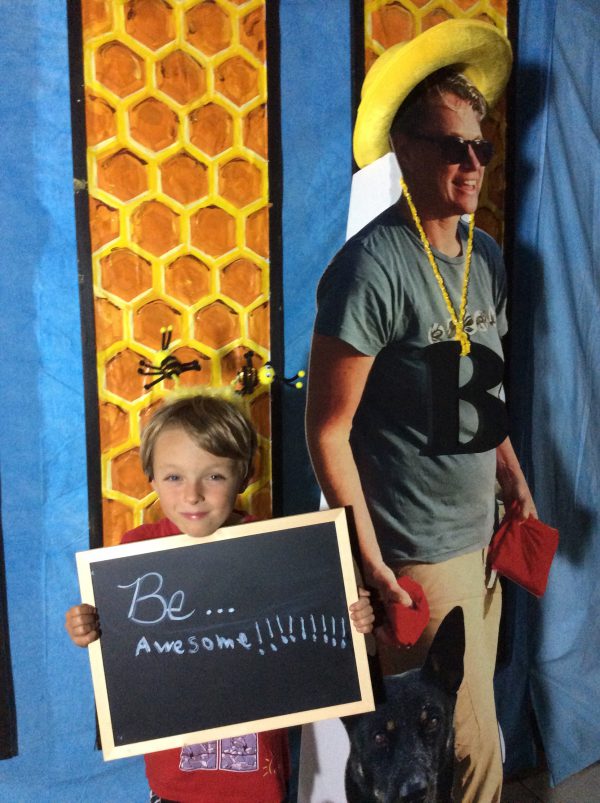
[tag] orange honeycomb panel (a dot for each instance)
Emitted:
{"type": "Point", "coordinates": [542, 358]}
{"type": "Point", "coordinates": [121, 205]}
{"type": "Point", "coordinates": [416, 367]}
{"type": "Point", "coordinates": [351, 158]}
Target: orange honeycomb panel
{"type": "Point", "coordinates": [211, 129]}
{"type": "Point", "coordinates": [119, 69]}
{"type": "Point", "coordinates": [125, 274]}
{"type": "Point", "coordinates": [435, 17]}
{"type": "Point", "coordinates": [155, 227]}
{"type": "Point", "coordinates": [184, 179]}
{"type": "Point", "coordinates": [241, 280]}
{"type": "Point", "coordinates": [104, 224]}
{"type": "Point", "coordinates": [153, 124]}
{"type": "Point", "coordinates": [117, 518]}
{"type": "Point", "coordinates": [187, 279]}
{"type": "Point", "coordinates": [212, 230]}
{"type": "Point", "coordinates": [123, 175]}
{"type": "Point", "coordinates": [217, 325]}
{"type": "Point", "coordinates": [257, 232]}
{"type": "Point", "coordinates": [253, 32]}
{"type": "Point", "coordinates": [258, 324]}
{"type": "Point", "coordinates": [208, 28]}
{"type": "Point", "coordinates": [96, 17]}
{"type": "Point", "coordinates": [239, 182]}
{"type": "Point", "coordinates": [255, 131]}
{"type": "Point", "coordinates": [121, 375]}
{"type": "Point", "coordinates": [181, 77]}
{"type": "Point", "coordinates": [150, 22]}
{"type": "Point", "coordinates": [237, 80]}
{"type": "Point", "coordinates": [109, 323]}
{"type": "Point", "coordinates": [261, 415]}
{"type": "Point", "coordinates": [127, 475]}
{"type": "Point", "coordinates": [177, 147]}
{"type": "Point", "coordinates": [392, 24]}
{"type": "Point", "coordinates": [100, 120]}
{"type": "Point", "coordinates": [150, 319]}
{"type": "Point", "coordinates": [114, 425]}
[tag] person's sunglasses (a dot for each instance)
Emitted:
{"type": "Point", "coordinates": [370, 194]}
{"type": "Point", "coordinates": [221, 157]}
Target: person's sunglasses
{"type": "Point", "coordinates": [455, 150]}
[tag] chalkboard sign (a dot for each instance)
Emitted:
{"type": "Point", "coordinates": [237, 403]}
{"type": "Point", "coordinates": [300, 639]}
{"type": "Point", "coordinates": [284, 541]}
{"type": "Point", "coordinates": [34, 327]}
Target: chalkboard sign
{"type": "Point", "coordinates": [243, 631]}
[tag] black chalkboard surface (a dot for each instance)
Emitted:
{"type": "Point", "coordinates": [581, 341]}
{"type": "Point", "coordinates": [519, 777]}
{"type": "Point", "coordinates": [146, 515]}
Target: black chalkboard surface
{"type": "Point", "coordinates": [245, 630]}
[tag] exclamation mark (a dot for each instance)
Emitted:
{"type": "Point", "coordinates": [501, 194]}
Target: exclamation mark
{"type": "Point", "coordinates": [260, 641]}
{"type": "Point", "coordinates": [283, 637]}
{"type": "Point", "coordinates": [343, 641]}
{"type": "Point", "coordinates": [325, 636]}
{"type": "Point", "coordinates": [273, 647]}
{"type": "Point", "coordinates": [291, 624]}
{"type": "Point", "coordinates": [303, 628]}
{"type": "Point", "coordinates": [314, 627]}
{"type": "Point", "coordinates": [333, 639]}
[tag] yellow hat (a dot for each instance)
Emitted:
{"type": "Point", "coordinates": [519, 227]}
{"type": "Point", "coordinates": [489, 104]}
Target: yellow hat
{"type": "Point", "coordinates": [476, 49]}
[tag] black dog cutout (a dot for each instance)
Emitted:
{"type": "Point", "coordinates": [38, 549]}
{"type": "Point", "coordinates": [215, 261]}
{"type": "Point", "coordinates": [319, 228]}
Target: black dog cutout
{"type": "Point", "coordinates": [403, 752]}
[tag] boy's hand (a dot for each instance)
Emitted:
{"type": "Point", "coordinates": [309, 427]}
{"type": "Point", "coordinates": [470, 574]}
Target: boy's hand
{"type": "Point", "coordinates": [361, 612]}
{"type": "Point", "coordinates": [81, 623]}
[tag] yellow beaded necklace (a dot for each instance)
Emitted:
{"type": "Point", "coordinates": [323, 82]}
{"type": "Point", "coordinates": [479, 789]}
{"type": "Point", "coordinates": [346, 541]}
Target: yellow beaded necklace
{"type": "Point", "coordinates": [457, 320]}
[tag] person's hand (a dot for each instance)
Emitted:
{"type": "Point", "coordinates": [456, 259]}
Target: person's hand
{"type": "Point", "coordinates": [81, 623]}
{"type": "Point", "coordinates": [383, 579]}
{"type": "Point", "coordinates": [361, 612]}
{"type": "Point", "coordinates": [518, 500]}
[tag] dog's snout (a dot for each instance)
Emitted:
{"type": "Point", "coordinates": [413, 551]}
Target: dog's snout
{"type": "Point", "coordinates": [414, 789]}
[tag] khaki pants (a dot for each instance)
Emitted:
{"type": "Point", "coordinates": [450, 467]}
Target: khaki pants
{"type": "Point", "coordinates": [462, 581]}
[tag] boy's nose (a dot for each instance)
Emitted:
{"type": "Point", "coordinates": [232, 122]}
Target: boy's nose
{"type": "Point", "coordinates": [193, 492]}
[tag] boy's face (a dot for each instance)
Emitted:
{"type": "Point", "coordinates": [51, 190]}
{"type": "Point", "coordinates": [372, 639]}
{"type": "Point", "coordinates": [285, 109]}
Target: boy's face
{"type": "Point", "coordinates": [197, 489]}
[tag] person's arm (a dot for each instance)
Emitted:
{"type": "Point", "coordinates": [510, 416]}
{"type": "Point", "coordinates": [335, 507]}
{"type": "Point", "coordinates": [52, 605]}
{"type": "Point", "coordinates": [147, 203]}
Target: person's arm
{"type": "Point", "coordinates": [81, 623]}
{"type": "Point", "coordinates": [336, 380]}
{"type": "Point", "coordinates": [512, 481]}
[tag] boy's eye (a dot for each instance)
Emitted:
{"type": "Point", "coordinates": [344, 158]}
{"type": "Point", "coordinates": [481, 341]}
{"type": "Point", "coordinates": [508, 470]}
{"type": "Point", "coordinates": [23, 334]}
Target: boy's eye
{"type": "Point", "coordinates": [172, 477]}
{"type": "Point", "coordinates": [216, 477]}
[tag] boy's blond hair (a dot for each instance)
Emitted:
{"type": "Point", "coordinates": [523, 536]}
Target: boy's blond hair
{"type": "Point", "coordinates": [217, 424]}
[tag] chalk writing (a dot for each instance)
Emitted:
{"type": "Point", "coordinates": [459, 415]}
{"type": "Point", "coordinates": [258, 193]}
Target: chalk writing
{"type": "Point", "coordinates": [219, 643]}
{"type": "Point", "coordinates": [151, 600]}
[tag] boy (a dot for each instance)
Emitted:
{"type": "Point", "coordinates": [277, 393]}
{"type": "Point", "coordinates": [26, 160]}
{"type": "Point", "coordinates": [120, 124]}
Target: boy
{"type": "Point", "coordinates": [197, 452]}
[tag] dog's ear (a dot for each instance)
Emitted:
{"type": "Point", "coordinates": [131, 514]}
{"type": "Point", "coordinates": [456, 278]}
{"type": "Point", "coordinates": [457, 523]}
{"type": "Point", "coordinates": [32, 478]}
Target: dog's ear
{"type": "Point", "coordinates": [351, 723]}
{"type": "Point", "coordinates": [444, 664]}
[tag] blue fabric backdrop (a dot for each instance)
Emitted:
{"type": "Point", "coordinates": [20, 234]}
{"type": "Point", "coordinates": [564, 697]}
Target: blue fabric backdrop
{"type": "Point", "coordinates": [555, 381]}
{"type": "Point", "coordinates": [42, 438]}
{"type": "Point", "coordinates": [316, 123]}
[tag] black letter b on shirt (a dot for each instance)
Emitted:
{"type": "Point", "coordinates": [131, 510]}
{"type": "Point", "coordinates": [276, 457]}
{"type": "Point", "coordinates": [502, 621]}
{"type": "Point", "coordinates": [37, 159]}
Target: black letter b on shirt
{"type": "Point", "coordinates": [444, 429]}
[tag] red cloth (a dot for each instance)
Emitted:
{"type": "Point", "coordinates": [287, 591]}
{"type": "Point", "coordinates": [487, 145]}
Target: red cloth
{"type": "Point", "coordinates": [265, 782]}
{"type": "Point", "coordinates": [405, 624]}
{"type": "Point", "coordinates": [522, 550]}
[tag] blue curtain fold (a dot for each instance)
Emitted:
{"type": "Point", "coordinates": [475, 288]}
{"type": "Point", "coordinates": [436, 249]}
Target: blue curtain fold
{"type": "Point", "coordinates": [555, 377]}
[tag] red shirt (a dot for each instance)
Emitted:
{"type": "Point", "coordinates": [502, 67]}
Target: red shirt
{"type": "Point", "coordinates": [253, 768]}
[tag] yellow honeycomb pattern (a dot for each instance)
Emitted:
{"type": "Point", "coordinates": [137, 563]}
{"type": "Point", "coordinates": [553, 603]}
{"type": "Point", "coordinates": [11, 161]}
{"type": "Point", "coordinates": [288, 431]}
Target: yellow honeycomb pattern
{"type": "Point", "coordinates": [177, 172]}
{"type": "Point", "coordinates": [388, 22]}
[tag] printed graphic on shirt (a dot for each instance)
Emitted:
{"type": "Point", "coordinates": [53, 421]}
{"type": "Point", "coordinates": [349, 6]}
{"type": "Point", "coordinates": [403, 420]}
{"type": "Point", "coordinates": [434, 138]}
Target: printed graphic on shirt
{"type": "Point", "coordinates": [202, 756]}
{"type": "Point", "coordinates": [444, 437]}
{"type": "Point", "coordinates": [479, 321]}
{"type": "Point", "coordinates": [238, 754]}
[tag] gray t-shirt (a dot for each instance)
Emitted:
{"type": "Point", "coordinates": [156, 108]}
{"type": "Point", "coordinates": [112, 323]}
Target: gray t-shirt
{"type": "Point", "coordinates": [425, 455]}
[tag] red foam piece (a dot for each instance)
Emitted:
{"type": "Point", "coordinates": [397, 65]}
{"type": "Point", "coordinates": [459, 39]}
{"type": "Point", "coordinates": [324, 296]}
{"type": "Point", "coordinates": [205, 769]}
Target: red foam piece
{"type": "Point", "coordinates": [405, 624]}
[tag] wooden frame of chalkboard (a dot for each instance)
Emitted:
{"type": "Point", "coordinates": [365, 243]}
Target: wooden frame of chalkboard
{"type": "Point", "coordinates": [243, 631]}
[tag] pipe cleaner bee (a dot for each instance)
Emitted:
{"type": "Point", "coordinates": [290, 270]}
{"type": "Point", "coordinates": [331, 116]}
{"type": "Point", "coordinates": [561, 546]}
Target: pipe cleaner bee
{"type": "Point", "coordinates": [169, 367]}
{"type": "Point", "coordinates": [248, 378]}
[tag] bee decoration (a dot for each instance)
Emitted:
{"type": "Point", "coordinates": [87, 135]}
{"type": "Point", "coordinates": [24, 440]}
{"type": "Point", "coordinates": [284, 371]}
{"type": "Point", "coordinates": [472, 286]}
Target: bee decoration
{"type": "Point", "coordinates": [248, 378]}
{"type": "Point", "coordinates": [169, 367]}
